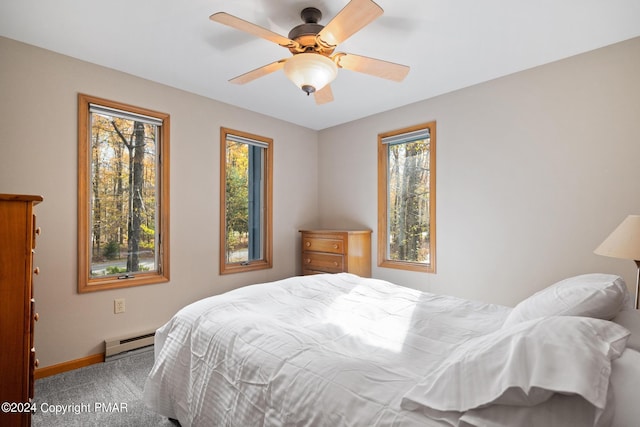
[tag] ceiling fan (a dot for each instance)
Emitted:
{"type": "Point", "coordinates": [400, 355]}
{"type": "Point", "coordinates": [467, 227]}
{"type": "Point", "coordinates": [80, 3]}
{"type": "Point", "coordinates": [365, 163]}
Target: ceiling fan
{"type": "Point", "coordinates": [314, 64]}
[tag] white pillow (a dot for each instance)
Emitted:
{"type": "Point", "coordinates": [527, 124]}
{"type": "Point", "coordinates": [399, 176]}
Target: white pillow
{"type": "Point", "coordinates": [590, 295]}
{"type": "Point", "coordinates": [524, 365]}
{"type": "Point", "coordinates": [630, 319]}
{"type": "Point", "coordinates": [560, 410]}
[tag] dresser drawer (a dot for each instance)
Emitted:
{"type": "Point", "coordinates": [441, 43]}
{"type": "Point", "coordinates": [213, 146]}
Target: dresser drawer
{"type": "Point", "coordinates": [336, 251]}
{"type": "Point", "coordinates": [320, 244]}
{"type": "Point", "coordinates": [327, 263]}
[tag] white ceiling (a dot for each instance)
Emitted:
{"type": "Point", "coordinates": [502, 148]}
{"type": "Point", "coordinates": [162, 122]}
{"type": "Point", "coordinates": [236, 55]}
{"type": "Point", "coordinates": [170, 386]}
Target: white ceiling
{"type": "Point", "coordinates": [449, 44]}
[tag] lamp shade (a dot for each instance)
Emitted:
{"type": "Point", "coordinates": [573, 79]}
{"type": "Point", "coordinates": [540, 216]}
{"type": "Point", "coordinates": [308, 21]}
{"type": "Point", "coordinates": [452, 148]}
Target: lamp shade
{"type": "Point", "coordinates": [310, 71]}
{"type": "Point", "coordinates": [624, 241]}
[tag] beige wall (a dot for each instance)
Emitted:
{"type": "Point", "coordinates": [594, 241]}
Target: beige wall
{"type": "Point", "coordinates": [533, 171]}
{"type": "Point", "coordinates": [38, 105]}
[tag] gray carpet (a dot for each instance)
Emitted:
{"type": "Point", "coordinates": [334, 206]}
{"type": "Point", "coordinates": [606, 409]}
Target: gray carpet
{"type": "Point", "coordinates": [105, 394]}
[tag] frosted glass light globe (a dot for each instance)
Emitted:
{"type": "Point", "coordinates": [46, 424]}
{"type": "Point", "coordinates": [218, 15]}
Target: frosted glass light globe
{"type": "Point", "coordinates": [310, 71]}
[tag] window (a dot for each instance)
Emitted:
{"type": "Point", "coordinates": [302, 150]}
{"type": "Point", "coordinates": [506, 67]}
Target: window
{"type": "Point", "coordinates": [406, 198]}
{"type": "Point", "coordinates": [123, 195]}
{"type": "Point", "coordinates": [245, 201]}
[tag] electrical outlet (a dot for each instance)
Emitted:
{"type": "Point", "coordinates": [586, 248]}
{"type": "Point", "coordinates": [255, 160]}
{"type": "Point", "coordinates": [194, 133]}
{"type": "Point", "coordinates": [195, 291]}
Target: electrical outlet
{"type": "Point", "coordinates": [118, 306]}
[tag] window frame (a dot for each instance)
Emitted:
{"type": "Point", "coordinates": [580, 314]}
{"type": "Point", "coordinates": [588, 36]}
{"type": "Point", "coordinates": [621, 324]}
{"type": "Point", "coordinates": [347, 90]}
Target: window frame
{"type": "Point", "coordinates": [266, 261]}
{"type": "Point", "coordinates": [161, 275]}
{"type": "Point", "coordinates": [383, 191]}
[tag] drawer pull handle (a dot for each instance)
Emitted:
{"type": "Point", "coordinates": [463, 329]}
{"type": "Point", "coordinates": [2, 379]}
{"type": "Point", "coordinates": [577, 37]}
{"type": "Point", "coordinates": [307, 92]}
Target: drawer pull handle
{"type": "Point", "coordinates": [335, 246]}
{"type": "Point", "coordinates": [36, 317]}
{"type": "Point", "coordinates": [33, 350]}
{"type": "Point", "coordinates": [307, 244]}
{"type": "Point", "coordinates": [308, 261]}
{"type": "Point", "coordinates": [36, 271]}
{"type": "Point", "coordinates": [335, 263]}
{"type": "Point", "coordinates": [36, 363]}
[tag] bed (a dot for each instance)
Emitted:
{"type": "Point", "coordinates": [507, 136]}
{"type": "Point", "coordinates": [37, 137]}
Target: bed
{"type": "Point", "coordinates": [341, 350]}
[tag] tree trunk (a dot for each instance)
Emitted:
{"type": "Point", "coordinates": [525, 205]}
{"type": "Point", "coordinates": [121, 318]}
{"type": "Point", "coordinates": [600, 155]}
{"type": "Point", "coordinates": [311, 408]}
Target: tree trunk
{"type": "Point", "coordinates": [118, 196]}
{"type": "Point", "coordinates": [396, 221]}
{"type": "Point", "coordinates": [410, 204]}
{"type": "Point", "coordinates": [133, 263]}
{"type": "Point", "coordinates": [97, 206]}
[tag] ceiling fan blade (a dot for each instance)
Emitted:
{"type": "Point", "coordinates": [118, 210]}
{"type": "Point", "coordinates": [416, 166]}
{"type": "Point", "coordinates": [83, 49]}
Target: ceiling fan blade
{"type": "Point", "coordinates": [324, 95]}
{"type": "Point", "coordinates": [258, 72]}
{"type": "Point", "coordinates": [375, 67]}
{"type": "Point", "coordinates": [351, 19]}
{"type": "Point", "coordinates": [251, 28]}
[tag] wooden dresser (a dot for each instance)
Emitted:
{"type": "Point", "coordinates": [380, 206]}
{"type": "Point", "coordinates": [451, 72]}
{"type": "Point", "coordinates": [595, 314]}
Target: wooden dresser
{"type": "Point", "coordinates": [336, 251]}
{"type": "Point", "coordinates": [17, 316]}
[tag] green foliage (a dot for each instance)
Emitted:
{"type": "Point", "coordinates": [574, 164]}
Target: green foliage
{"type": "Point", "coordinates": [148, 237]}
{"type": "Point", "coordinates": [112, 250]}
{"type": "Point", "coordinates": [114, 269]}
{"type": "Point", "coordinates": [237, 195]}
{"type": "Point", "coordinates": [237, 189]}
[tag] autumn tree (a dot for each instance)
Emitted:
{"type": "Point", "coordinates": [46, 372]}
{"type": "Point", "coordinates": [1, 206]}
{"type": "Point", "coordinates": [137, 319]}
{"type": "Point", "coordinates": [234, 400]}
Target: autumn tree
{"type": "Point", "coordinates": [123, 177]}
{"type": "Point", "coordinates": [135, 146]}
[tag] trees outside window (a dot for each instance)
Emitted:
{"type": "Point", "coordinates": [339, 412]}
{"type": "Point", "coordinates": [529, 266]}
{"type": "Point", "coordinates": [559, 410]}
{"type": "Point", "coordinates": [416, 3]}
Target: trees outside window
{"type": "Point", "coordinates": [245, 201]}
{"type": "Point", "coordinates": [406, 198]}
{"type": "Point", "coordinates": [123, 195]}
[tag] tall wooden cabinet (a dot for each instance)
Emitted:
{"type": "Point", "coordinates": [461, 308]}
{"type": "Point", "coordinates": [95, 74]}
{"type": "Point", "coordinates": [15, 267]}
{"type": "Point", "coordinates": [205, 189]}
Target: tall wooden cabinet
{"type": "Point", "coordinates": [17, 316]}
{"type": "Point", "coordinates": [336, 251]}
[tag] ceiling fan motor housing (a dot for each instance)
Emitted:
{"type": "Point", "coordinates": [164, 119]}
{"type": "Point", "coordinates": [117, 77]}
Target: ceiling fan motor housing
{"type": "Point", "coordinates": [305, 34]}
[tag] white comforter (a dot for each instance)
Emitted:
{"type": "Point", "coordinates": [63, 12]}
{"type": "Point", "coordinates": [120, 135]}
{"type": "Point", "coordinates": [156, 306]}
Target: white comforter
{"type": "Point", "coordinates": [326, 350]}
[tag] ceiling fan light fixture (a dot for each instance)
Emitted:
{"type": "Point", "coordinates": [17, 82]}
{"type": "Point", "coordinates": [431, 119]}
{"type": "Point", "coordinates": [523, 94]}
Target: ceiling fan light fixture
{"type": "Point", "coordinates": [313, 64]}
{"type": "Point", "coordinates": [310, 71]}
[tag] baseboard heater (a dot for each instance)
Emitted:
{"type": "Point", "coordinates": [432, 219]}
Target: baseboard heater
{"type": "Point", "coordinates": [126, 345]}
